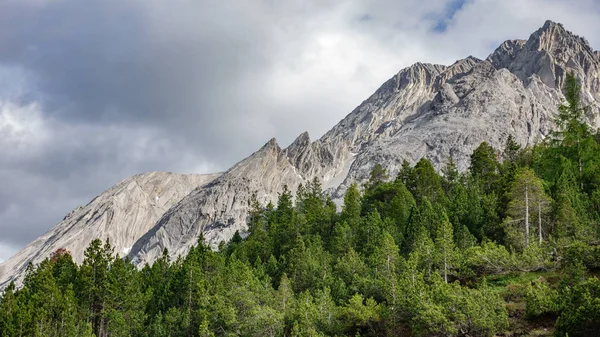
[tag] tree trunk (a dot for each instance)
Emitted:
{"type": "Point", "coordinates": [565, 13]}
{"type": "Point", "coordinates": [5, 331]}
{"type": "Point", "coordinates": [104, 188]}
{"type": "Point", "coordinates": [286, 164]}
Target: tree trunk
{"type": "Point", "coordinates": [388, 264]}
{"type": "Point", "coordinates": [526, 216]}
{"type": "Point", "coordinates": [189, 331]}
{"type": "Point", "coordinates": [580, 174]}
{"type": "Point", "coordinates": [445, 268]}
{"type": "Point", "coordinates": [579, 164]}
{"type": "Point", "coordinates": [540, 221]}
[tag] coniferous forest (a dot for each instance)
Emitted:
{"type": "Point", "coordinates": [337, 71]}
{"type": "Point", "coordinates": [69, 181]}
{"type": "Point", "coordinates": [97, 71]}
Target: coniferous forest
{"type": "Point", "coordinates": [510, 247]}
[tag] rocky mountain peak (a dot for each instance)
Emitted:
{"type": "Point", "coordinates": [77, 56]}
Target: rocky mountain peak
{"type": "Point", "coordinates": [506, 53]}
{"type": "Point", "coordinates": [556, 40]}
{"type": "Point", "coordinates": [548, 55]}
{"type": "Point", "coordinates": [269, 156]}
{"type": "Point", "coordinates": [307, 158]}
{"type": "Point", "coordinates": [270, 145]}
{"type": "Point", "coordinates": [301, 141]}
{"type": "Point", "coordinates": [459, 67]}
{"type": "Point", "coordinates": [550, 25]}
{"type": "Point", "coordinates": [298, 150]}
{"type": "Point", "coordinates": [418, 74]}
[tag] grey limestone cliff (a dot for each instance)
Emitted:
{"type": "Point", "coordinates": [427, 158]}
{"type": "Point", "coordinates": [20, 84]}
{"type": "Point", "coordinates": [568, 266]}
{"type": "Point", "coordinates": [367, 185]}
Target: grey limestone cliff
{"type": "Point", "coordinates": [122, 214]}
{"type": "Point", "coordinates": [219, 209]}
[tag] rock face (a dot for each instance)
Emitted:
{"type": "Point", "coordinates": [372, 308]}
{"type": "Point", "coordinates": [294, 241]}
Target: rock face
{"type": "Point", "coordinates": [219, 208]}
{"type": "Point", "coordinates": [425, 110]}
{"type": "Point", "coordinates": [122, 214]}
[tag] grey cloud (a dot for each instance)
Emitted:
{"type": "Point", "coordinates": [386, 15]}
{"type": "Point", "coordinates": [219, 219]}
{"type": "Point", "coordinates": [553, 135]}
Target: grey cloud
{"type": "Point", "coordinates": [129, 63]}
{"type": "Point", "coordinates": [70, 167]}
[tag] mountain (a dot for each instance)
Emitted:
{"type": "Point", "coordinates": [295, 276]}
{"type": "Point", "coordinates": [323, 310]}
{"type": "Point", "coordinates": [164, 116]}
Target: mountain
{"type": "Point", "coordinates": [425, 110]}
{"type": "Point", "coordinates": [123, 213]}
{"type": "Point", "coordinates": [219, 208]}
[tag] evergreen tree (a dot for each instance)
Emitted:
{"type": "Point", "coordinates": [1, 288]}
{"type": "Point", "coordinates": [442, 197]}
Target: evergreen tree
{"type": "Point", "coordinates": [427, 183]}
{"type": "Point", "coordinates": [377, 176]}
{"type": "Point", "coordinates": [511, 150]}
{"type": "Point", "coordinates": [351, 208]}
{"type": "Point", "coordinates": [126, 302]}
{"type": "Point", "coordinates": [484, 166]}
{"type": "Point", "coordinates": [571, 123]}
{"type": "Point", "coordinates": [451, 176]}
{"type": "Point", "coordinates": [405, 175]}
{"type": "Point", "coordinates": [93, 283]}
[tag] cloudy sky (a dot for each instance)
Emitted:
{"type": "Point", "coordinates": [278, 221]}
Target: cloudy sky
{"type": "Point", "coordinates": [94, 91]}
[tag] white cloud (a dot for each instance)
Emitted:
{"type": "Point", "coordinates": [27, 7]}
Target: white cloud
{"type": "Point", "coordinates": [22, 128]}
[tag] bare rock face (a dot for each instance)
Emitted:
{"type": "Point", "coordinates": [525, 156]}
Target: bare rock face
{"type": "Point", "coordinates": [219, 209]}
{"type": "Point", "coordinates": [551, 53]}
{"type": "Point", "coordinates": [425, 110]}
{"type": "Point", "coordinates": [515, 91]}
{"type": "Point", "coordinates": [122, 214]}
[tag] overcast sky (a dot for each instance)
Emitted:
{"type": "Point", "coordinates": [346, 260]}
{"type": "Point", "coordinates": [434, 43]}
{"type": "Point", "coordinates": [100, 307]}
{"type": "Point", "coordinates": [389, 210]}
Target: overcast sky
{"type": "Point", "coordinates": [94, 91]}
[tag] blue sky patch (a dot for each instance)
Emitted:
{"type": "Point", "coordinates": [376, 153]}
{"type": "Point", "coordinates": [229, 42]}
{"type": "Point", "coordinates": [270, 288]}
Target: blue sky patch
{"type": "Point", "coordinates": [451, 9]}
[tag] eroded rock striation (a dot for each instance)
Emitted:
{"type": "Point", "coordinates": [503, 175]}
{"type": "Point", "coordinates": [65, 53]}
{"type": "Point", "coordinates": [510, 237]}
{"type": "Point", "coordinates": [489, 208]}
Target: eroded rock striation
{"type": "Point", "coordinates": [425, 110]}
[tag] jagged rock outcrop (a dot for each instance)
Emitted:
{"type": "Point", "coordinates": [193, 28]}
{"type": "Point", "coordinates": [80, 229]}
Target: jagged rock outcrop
{"type": "Point", "coordinates": [122, 214]}
{"type": "Point", "coordinates": [550, 53]}
{"type": "Point", "coordinates": [425, 110]}
{"type": "Point", "coordinates": [219, 209]}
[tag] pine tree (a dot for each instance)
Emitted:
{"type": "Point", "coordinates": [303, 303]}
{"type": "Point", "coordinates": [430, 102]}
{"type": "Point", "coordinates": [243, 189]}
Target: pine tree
{"type": "Point", "coordinates": [285, 295]}
{"type": "Point", "coordinates": [352, 206]}
{"type": "Point", "coordinates": [284, 206]}
{"type": "Point", "coordinates": [484, 166]}
{"type": "Point", "coordinates": [342, 239]}
{"type": "Point", "coordinates": [378, 175]}
{"type": "Point", "coordinates": [384, 261]}
{"type": "Point", "coordinates": [255, 211]}
{"type": "Point", "coordinates": [571, 123]}
{"type": "Point", "coordinates": [451, 175]}
{"type": "Point", "coordinates": [125, 303]}
{"type": "Point", "coordinates": [351, 269]}
{"type": "Point", "coordinates": [9, 308]}
{"type": "Point", "coordinates": [93, 283]}
{"type": "Point", "coordinates": [511, 150]}
{"type": "Point", "coordinates": [405, 175]}
{"type": "Point", "coordinates": [427, 183]}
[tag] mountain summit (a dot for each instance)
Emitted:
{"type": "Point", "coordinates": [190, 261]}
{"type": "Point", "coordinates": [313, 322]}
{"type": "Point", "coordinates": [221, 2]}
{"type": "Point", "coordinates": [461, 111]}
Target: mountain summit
{"type": "Point", "coordinates": [425, 110]}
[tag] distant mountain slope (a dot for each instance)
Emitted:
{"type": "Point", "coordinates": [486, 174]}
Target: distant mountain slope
{"type": "Point", "coordinates": [425, 110]}
{"type": "Point", "coordinates": [122, 213]}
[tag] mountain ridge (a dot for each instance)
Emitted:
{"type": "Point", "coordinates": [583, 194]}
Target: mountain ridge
{"type": "Point", "coordinates": [424, 110]}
